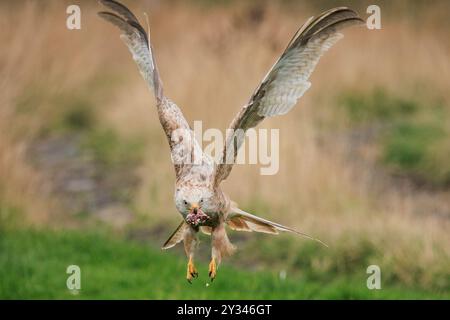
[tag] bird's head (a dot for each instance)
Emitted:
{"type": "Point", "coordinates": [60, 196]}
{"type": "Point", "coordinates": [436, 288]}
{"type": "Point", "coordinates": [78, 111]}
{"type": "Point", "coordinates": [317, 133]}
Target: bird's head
{"type": "Point", "coordinates": [194, 204]}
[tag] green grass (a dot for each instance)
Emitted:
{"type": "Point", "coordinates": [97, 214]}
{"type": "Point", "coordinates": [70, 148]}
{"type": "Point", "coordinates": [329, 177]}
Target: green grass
{"type": "Point", "coordinates": [110, 149]}
{"type": "Point", "coordinates": [415, 136]}
{"type": "Point", "coordinates": [420, 150]}
{"type": "Point", "coordinates": [377, 105]}
{"type": "Point", "coordinates": [75, 113]}
{"type": "Point", "coordinates": [33, 266]}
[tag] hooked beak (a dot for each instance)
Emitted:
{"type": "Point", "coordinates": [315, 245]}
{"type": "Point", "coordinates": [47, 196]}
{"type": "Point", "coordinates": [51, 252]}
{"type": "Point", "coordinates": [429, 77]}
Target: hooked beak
{"type": "Point", "coordinates": [194, 208]}
{"type": "Point", "coordinates": [196, 215]}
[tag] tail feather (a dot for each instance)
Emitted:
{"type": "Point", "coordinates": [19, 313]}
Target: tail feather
{"type": "Point", "coordinates": [243, 221]}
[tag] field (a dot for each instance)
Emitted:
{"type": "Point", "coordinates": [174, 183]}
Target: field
{"type": "Point", "coordinates": [86, 177]}
{"type": "Point", "coordinates": [113, 269]}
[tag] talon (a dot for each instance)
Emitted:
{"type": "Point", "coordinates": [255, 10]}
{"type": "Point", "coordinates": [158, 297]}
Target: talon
{"type": "Point", "coordinates": [191, 271]}
{"type": "Point", "coordinates": [212, 269]}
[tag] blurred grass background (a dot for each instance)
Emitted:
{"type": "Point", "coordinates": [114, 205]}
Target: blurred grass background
{"type": "Point", "coordinates": [85, 172]}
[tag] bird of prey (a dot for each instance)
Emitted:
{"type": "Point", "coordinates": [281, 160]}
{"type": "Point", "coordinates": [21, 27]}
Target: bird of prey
{"type": "Point", "coordinates": [198, 196]}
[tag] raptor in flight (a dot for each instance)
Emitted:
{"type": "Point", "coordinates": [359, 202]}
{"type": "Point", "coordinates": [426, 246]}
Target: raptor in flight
{"type": "Point", "coordinates": [198, 196]}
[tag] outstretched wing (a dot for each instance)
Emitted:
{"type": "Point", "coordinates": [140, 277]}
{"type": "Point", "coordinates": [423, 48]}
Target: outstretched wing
{"type": "Point", "coordinates": [137, 41]}
{"type": "Point", "coordinates": [176, 237]}
{"type": "Point", "coordinates": [287, 80]}
{"type": "Point", "coordinates": [182, 144]}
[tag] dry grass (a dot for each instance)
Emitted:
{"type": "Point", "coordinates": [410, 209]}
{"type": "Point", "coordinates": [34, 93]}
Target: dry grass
{"type": "Point", "coordinates": [211, 60]}
{"type": "Point", "coordinates": [42, 60]}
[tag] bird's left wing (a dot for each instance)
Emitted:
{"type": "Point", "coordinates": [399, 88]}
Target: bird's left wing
{"type": "Point", "coordinates": [287, 81]}
{"type": "Point", "coordinates": [172, 120]}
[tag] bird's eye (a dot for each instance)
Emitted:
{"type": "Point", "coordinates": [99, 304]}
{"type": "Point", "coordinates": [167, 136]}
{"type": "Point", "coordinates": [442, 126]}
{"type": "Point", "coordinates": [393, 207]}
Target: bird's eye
{"type": "Point", "coordinates": [185, 202]}
{"type": "Point", "coordinates": [201, 200]}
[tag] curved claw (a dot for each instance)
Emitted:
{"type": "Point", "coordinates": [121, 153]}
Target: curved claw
{"type": "Point", "coordinates": [191, 271]}
{"type": "Point", "coordinates": [212, 269]}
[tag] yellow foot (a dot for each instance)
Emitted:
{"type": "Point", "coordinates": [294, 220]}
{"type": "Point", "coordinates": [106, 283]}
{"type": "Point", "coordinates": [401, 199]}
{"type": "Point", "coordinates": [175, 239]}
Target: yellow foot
{"type": "Point", "coordinates": [191, 271]}
{"type": "Point", "coordinates": [212, 269]}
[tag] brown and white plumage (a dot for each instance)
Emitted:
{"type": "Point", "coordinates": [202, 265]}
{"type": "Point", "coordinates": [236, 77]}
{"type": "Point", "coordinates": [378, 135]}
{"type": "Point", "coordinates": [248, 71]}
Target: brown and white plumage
{"type": "Point", "coordinates": [198, 196]}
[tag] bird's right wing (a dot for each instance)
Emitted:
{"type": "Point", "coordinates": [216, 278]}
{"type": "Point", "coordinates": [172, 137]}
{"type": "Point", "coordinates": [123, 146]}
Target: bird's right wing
{"type": "Point", "coordinates": [172, 120]}
{"type": "Point", "coordinates": [288, 79]}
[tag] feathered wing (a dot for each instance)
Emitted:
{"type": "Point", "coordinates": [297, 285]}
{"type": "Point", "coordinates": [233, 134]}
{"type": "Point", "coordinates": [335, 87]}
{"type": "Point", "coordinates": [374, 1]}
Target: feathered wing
{"type": "Point", "coordinates": [240, 220]}
{"type": "Point", "coordinates": [287, 80]}
{"type": "Point", "coordinates": [176, 237]}
{"type": "Point", "coordinates": [137, 41]}
{"type": "Point", "coordinates": [172, 120]}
